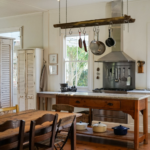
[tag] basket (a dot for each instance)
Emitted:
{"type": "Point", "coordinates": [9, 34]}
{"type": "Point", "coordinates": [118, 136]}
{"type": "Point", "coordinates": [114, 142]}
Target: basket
{"type": "Point", "coordinates": [85, 116]}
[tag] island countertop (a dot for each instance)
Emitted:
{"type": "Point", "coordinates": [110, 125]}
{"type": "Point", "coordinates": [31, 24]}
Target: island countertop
{"type": "Point", "coordinates": [99, 95]}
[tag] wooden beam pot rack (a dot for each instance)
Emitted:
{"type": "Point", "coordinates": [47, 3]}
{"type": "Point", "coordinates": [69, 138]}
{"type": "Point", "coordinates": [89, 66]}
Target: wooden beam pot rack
{"type": "Point", "coordinates": [97, 22]}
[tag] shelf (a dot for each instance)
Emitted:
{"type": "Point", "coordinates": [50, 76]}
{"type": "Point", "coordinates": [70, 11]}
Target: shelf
{"type": "Point", "coordinates": [98, 22]}
{"type": "Point", "coordinates": [110, 134]}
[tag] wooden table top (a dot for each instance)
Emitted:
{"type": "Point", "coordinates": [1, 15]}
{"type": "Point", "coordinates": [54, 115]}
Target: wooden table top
{"type": "Point", "coordinates": [27, 116]}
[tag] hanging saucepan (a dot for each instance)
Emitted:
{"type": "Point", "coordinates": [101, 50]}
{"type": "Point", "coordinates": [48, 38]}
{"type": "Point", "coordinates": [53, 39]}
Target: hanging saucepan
{"type": "Point", "coordinates": [110, 41]}
{"type": "Point", "coordinates": [93, 45]}
{"type": "Point", "coordinates": [101, 45]}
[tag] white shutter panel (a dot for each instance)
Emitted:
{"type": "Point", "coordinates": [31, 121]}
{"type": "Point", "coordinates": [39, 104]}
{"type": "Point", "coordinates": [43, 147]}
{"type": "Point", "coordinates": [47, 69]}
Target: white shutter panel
{"type": "Point", "coordinates": [21, 80]}
{"type": "Point", "coordinates": [6, 73]}
{"type": "Point", "coordinates": [30, 77]}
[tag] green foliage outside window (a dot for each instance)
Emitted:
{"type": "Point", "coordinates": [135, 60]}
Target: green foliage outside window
{"type": "Point", "coordinates": [77, 65]}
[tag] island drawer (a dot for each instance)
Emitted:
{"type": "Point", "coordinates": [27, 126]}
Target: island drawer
{"type": "Point", "coordinates": [90, 103]}
{"type": "Point", "coordinates": [95, 103]}
{"type": "Point", "coordinates": [110, 104]}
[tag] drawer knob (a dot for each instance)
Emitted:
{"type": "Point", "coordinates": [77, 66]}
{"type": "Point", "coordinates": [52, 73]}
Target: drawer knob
{"type": "Point", "coordinates": [77, 102]}
{"type": "Point", "coordinates": [110, 104]}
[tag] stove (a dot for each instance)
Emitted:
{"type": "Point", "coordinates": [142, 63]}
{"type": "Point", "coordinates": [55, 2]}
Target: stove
{"type": "Point", "coordinates": [112, 90]}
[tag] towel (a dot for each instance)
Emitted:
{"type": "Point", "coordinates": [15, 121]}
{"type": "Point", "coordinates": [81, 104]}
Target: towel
{"type": "Point", "coordinates": [43, 79]}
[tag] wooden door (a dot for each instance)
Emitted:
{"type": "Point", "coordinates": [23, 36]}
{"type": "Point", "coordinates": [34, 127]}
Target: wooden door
{"type": "Point", "coordinates": [30, 80]}
{"type": "Point", "coordinates": [21, 79]}
{"type": "Point", "coordinates": [6, 72]}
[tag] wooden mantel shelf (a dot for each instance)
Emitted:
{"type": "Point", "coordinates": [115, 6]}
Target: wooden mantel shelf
{"type": "Point", "coordinates": [98, 22]}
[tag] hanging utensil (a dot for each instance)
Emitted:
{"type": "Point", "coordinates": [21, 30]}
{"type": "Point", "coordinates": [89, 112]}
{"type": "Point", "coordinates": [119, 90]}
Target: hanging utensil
{"type": "Point", "coordinates": [80, 40]}
{"type": "Point", "coordinates": [119, 74]}
{"type": "Point", "coordinates": [84, 43]}
{"type": "Point", "coordinates": [93, 44]}
{"type": "Point", "coordinates": [101, 45]}
{"type": "Point", "coordinates": [129, 77]}
{"type": "Point", "coordinates": [124, 78]}
{"type": "Point", "coordinates": [110, 41]}
{"type": "Point", "coordinates": [70, 32]}
{"type": "Point", "coordinates": [116, 74]}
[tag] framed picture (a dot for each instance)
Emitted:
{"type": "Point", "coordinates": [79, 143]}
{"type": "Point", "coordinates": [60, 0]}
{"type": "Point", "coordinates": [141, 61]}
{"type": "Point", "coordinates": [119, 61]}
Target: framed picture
{"type": "Point", "coordinates": [53, 58]}
{"type": "Point", "coordinates": [53, 69]}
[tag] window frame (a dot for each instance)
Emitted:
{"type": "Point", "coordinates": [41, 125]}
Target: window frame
{"type": "Point", "coordinates": [13, 29]}
{"type": "Point", "coordinates": [90, 86]}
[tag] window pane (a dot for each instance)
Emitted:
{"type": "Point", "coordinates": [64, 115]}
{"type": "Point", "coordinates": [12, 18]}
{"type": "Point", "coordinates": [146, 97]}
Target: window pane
{"type": "Point", "coordinates": [79, 77]}
{"type": "Point", "coordinates": [82, 55]}
{"type": "Point", "coordinates": [76, 65]}
{"type": "Point", "coordinates": [82, 73]}
{"type": "Point", "coordinates": [71, 48]}
{"type": "Point", "coordinates": [70, 73]}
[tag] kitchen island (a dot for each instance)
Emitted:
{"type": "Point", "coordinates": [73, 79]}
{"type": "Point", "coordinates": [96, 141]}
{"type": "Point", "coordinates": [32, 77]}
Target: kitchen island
{"type": "Point", "coordinates": [131, 104]}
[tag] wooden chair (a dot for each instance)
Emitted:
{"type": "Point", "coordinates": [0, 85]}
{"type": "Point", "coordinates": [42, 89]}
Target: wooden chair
{"type": "Point", "coordinates": [62, 137]}
{"type": "Point", "coordinates": [15, 141]}
{"type": "Point", "coordinates": [10, 109]}
{"type": "Point", "coordinates": [34, 140]}
{"type": "Point", "coordinates": [63, 107]}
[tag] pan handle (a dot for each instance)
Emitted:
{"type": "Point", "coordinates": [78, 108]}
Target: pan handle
{"type": "Point", "coordinates": [109, 33]}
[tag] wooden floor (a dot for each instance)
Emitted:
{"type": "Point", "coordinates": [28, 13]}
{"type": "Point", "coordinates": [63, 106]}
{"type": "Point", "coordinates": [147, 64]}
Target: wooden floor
{"type": "Point", "coordinates": [111, 145]}
{"type": "Point", "coordinates": [105, 145]}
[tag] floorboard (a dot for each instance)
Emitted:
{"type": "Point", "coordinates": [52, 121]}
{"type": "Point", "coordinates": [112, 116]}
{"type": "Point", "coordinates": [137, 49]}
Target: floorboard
{"type": "Point", "coordinates": [106, 145]}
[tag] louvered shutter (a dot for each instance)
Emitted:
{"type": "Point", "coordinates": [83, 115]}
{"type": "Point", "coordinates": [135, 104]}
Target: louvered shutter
{"type": "Point", "coordinates": [6, 73]}
{"type": "Point", "coordinates": [30, 77]}
{"type": "Point", "coordinates": [21, 80]}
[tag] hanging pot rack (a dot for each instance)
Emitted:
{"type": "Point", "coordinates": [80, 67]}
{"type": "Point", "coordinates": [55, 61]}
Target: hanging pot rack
{"type": "Point", "coordinates": [98, 22]}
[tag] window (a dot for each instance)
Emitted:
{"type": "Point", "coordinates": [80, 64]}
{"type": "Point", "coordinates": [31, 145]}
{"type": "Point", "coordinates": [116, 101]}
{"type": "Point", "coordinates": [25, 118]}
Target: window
{"type": "Point", "coordinates": [17, 45]}
{"type": "Point", "coordinates": [76, 62]}
{"type": "Point", "coordinates": [15, 33]}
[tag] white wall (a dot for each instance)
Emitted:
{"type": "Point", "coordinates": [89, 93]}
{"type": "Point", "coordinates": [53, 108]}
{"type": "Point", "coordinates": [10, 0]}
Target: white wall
{"type": "Point", "coordinates": [79, 13]}
{"type": "Point", "coordinates": [32, 28]}
{"type": "Point", "coordinates": [135, 41]}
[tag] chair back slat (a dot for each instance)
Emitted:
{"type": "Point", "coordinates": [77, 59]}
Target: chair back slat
{"type": "Point", "coordinates": [66, 121]}
{"type": "Point", "coordinates": [12, 124]}
{"type": "Point", "coordinates": [63, 107]}
{"type": "Point", "coordinates": [44, 118]}
{"type": "Point", "coordinates": [43, 137]}
{"type": "Point", "coordinates": [15, 141]}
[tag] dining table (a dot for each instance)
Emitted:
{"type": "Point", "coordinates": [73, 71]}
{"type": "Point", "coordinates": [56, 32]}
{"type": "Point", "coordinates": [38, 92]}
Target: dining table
{"type": "Point", "coordinates": [29, 115]}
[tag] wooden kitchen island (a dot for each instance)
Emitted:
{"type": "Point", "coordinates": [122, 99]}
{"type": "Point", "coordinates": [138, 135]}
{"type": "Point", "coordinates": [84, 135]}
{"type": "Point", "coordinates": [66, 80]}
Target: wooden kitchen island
{"type": "Point", "coordinates": [128, 103]}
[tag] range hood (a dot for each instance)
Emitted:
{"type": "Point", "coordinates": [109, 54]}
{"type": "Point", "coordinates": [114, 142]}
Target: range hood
{"type": "Point", "coordinates": [117, 54]}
